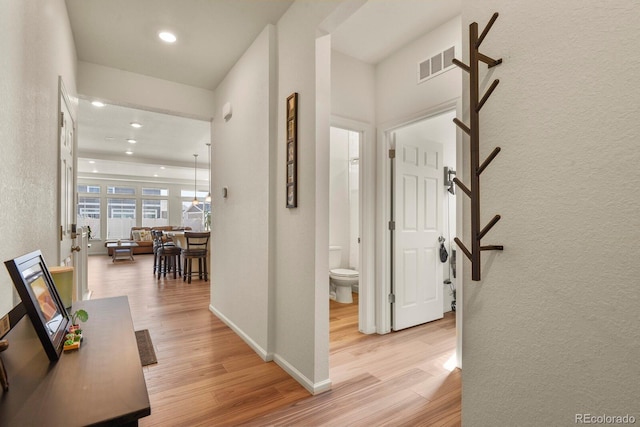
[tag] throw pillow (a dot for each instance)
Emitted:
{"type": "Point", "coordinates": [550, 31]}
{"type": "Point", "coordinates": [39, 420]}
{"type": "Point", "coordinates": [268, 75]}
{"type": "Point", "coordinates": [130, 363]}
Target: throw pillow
{"type": "Point", "coordinates": [145, 235]}
{"type": "Point", "coordinates": [136, 235]}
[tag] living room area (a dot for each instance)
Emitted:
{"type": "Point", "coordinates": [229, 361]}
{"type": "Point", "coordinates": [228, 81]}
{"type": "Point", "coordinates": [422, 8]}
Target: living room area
{"type": "Point", "coordinates": [123, 195]}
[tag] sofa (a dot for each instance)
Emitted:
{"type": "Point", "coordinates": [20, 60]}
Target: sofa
{"type": "Point", "coordinates": [142, 236]}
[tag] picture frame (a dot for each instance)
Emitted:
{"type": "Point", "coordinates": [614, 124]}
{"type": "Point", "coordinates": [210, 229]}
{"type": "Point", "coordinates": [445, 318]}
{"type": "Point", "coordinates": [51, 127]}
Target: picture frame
{"type": "Point", "coordinates": [39, 295]}
{"type": "Point", "coordinates": [292, 150]}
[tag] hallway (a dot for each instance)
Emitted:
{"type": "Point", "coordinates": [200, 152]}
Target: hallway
{"type": "Point", "coordinates": [206, 375]}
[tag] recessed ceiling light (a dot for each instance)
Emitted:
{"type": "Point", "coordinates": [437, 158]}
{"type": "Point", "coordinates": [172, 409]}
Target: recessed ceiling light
{"type": "Point", "coordinates": [131, 141]}
{"type": "Point", "coordinates": [162, 167]}
{"type": "Point", "coordinates": [155, 175]}
{"type": "Point", "coordinates": [135, 125]}
{"type": "Point", "coordinates": [97, 104]}
{"type": "Point", "coordinates": [167, 37]}
{"type": "Point", "coordinates": [95, 171]}
{"type": "Point", "coordinates": [92, 161]}
{"type": "Point", "coordinates": [129, 152]}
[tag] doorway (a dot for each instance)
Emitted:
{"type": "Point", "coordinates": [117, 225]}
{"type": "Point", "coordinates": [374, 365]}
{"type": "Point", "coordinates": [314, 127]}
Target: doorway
{"type": "Point", "coordinates": [421, 213]}
{"type": "Point", "coordinates": [361, 172]}
{"type": "Point", "coordinates": [344, 210]}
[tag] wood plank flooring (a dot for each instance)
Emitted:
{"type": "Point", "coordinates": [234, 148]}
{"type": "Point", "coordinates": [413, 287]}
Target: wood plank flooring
{"type": "Point", "coordinates": [207, 376]}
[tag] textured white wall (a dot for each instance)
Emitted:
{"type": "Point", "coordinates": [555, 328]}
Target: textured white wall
{"type": "Point", "coordinates": [126, 88]}
{"type": "Point", "coordinates": [553, 328]}
{"type": "Point", "coordinates": [240, 269]}
{"type": "Point", "coordinates": [37, 47]}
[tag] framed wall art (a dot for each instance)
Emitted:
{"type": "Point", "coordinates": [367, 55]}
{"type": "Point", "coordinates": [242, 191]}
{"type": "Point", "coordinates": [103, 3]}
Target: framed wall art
{"type": "Point", "coordinates": [41, 300]}
{"type": "Point", "coordinates": [291, 152]}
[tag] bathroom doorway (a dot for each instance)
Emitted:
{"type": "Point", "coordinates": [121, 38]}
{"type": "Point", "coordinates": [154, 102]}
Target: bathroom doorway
{"type": "Point", "coordinates": [352, 223]}
{"type": "Point", "coordinates": [344, 207]}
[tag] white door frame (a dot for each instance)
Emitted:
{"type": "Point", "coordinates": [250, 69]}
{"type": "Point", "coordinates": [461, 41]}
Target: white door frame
{"type": "Point", "coordinates": [367, 174]}
{"type": "Point", "coordinates": [383, 208]}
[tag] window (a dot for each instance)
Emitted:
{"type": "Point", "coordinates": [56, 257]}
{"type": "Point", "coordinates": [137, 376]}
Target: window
{"type": "Point", "coordinates": [121, 190]}
{"type": "Point", "coordinates": [192, 216]}
{"type": "Point", "coordinates": [155, 192]}
{"type": "Point", "coordinates": [155, 212]}
{"type": "Point", "coordinates": [121, 216]}
{"type": "Point", "coordinates": [189, 194]}
{"type": "Point", "coordinates": [95, 189]}
{"type": "Point", "coordinates": [89, 214]}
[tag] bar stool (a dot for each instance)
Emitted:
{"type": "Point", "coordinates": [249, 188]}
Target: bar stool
{"type": "Point", "coordinates": [158, 244]}
{"type": "Point", "coordinates": [196, 249]}
{"type": "Point", "coordinates": [169, 254]}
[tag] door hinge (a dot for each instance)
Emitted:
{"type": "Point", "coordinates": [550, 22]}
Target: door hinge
{"type": "Point", "coordinates": [392, 298]}
{"type": "Point", "coordinates": [62, 119]}
{"type": "Point", "coordinates": [392, 153]}
{"type": "Point", "coordinates": [61, 234]}
{"type": "Point", "coordinates": [392, 225]}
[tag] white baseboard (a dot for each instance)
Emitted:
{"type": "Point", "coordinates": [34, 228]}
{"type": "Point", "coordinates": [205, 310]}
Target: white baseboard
{"type": "Point", "coordinates": [310, 386]}
{"type": "Point", "coordinates": [313, 388]}
{"type": "Point", "coordinates": [264, 355]}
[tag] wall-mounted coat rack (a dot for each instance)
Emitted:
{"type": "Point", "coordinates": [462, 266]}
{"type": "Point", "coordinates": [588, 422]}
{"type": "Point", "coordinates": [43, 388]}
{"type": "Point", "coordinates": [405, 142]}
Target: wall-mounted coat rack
{"type": "Point", "coordinates": [473, 130]}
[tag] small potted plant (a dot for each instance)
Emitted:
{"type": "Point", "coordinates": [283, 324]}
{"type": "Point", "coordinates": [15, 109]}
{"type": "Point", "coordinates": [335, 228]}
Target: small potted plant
{"type": "Point", "coordinates": [74, 337]}
{"type": "Point", "coordinates": [76, 316]}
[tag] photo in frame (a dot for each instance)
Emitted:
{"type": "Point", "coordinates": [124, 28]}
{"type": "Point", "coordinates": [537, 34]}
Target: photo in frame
{"type": "Point", "coordinates": [291, 151]}
{"type": "Point", "coordinates": [39, 295]}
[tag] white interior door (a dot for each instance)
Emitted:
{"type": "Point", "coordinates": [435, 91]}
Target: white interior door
{"type": "Point", "coordinates": [417, 270]}
{"type": "Point", "coordinates": [66, 178]}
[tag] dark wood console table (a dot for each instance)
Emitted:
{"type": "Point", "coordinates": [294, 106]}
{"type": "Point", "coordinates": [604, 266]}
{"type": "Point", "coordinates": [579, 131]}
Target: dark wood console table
{"type": "Point", "coordinates": [102, 383]}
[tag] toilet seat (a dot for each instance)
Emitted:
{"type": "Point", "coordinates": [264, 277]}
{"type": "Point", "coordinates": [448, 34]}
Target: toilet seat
{"type": "Point", "coordinates": [343, 272]}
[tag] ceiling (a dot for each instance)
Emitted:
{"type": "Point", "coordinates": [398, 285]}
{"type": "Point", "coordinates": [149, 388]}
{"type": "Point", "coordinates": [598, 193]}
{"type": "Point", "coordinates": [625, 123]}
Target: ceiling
{"type": "Point", "coordinates": [163, 149]}
{"type": "Point", "coordinates": [212, 36]}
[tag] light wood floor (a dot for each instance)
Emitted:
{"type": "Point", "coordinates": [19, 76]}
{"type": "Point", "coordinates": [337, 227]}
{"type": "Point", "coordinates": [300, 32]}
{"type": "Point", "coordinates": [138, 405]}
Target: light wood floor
{"type": "Point", "coordinates": [207, 376]}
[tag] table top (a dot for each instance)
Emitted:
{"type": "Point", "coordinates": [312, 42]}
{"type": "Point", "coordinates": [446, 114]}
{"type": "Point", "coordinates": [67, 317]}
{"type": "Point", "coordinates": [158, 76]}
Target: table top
{"type": "Point", "coordinates": [101, 383]}
{"type": "Point", "coordinates": [122, 245]}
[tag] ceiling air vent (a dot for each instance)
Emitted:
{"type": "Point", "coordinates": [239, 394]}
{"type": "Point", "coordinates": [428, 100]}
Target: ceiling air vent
{"type": "Point", "coordinates": [436, 64]}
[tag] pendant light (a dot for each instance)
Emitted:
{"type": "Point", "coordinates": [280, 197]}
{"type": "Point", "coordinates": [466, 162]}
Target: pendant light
{"type": "Point", "coordinates": [195, 200]}
{"type": "Point", "coordinates": [208, 198]}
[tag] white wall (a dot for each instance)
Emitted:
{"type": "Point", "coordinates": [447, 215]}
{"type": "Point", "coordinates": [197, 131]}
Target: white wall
{"type": "Point", "coordinates": [126, 88]}
{"type": "Point", "coordinates": [398, 95]}
{"type": "Point", "coordinates": [242, 266]}
{"type": "Point", "coordinates": [352, 89]}
{"type": "Point", "coordinates": [37, 47]}
{"type": "Point", "coordinates": [301, 297]}
{"type": "Point", "coordinates": [553, 329]}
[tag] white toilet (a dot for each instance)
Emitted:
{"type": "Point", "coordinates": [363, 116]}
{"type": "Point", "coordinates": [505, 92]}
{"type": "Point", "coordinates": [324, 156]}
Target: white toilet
{"type": "Point", "coordinates": [342, 279]}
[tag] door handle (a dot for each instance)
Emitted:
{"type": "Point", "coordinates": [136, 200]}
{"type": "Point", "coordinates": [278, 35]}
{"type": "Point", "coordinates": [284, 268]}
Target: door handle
{"type": "Point", "coordinates": [75, 248]}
